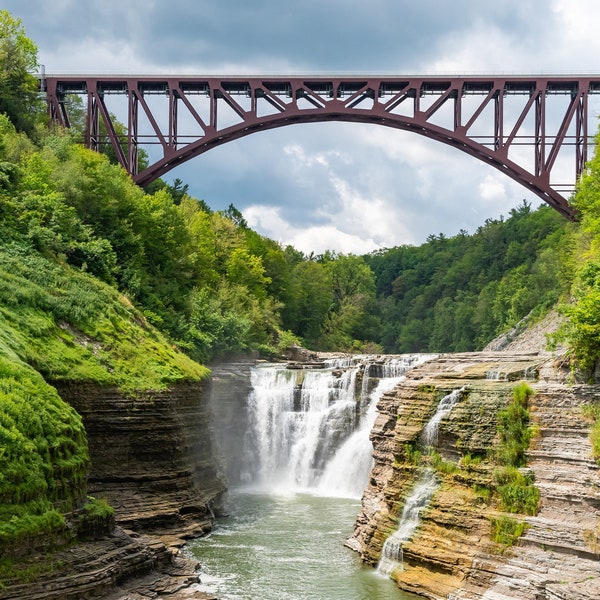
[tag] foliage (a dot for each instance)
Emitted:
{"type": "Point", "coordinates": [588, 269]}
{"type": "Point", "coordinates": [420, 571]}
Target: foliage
{"type": "Point", "coordinates": [458, 293]}
{"type": "Point", "coordinates": [18, 88]}
{"type": "Point", "coordinates": [69, 325]}
{"type": "Point", "coordinates": [513, 428]}
{"type": "Point", "coordinates": [43, 453]}
{"type": "Point", "coordinates": [582, 329]}
{"type": "Point", "coordinates": [96, 518]}
{"type": "Point", "coordinates": [517, 492]}
{"type": "Point", "coordinates": [441, 465]}
{"type": "Point", "coordinates": [591, 411]}
{"type": "Point", "coordinates": [506, 531]}
{"type": "Point", "coordinates": [412, 454]}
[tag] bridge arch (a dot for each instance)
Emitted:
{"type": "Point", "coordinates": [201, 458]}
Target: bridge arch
{"type": "Point", "coordinates": [450, 110]}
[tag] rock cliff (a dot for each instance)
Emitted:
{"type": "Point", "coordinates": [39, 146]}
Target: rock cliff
{"type": "Point", "coordinates": [153, 458]}
{"type": "Point", "coordinates": [152, 455]}
{"type": "Point", "coordinates": [452, 555]}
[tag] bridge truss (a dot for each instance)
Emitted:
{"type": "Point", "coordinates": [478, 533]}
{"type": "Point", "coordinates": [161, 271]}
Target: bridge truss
{"type": "Point", "coordinates": [520, 125]}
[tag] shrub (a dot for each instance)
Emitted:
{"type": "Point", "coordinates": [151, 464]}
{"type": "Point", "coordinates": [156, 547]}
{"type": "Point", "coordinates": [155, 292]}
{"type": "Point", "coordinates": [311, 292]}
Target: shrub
{"type": "Point", "coordinates": [506, 531]}
{"type": "Point", "coordinates": [513, 428]}
{"type": "Point", "coordinates": [517, 492]}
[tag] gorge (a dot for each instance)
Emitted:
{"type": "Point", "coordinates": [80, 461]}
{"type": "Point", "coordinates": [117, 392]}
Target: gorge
{"type": "Point", "coordinates": [457, 548]}
{"type": "Point", "coordinates": [301, 440]}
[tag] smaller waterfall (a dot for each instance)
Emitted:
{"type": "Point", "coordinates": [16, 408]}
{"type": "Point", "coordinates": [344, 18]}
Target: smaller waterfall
{"type": "Point", "coordinates": [391, 553]}
{"type": "Point", "coordinates": [496, 375]}
{"type": "Point", "coordinates": [429, 435]}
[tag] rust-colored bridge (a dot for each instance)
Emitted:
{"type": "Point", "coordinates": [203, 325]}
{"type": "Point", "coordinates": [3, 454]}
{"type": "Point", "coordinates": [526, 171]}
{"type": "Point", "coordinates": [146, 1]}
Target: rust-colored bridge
{"type": "Point", "coordinates": [520, 125]}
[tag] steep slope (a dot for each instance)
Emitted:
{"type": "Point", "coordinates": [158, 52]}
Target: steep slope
{"type": "Point", "coordinates": [95, 405]}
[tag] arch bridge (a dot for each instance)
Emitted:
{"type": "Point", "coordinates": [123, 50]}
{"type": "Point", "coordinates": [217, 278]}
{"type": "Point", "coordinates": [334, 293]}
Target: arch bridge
{"type": "Point", "coordinates": [520, 125]}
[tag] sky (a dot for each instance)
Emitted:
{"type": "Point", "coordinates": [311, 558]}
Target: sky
{"type": "Point", "coordinates": [346, 187]}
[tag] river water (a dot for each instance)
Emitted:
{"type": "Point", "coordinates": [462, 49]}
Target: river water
{"type": "Point", "coordinates": [302, 462]}
{"type": "Point", "coordinates": [288, 547]}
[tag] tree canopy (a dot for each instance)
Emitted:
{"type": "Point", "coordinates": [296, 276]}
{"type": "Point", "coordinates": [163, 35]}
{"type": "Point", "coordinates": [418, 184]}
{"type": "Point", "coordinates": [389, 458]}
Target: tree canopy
{"type": "Point", "coordinates": [18, 86]}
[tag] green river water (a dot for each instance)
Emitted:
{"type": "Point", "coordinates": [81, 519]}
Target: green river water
{"type": "Point", "coordinates": [287, 547]}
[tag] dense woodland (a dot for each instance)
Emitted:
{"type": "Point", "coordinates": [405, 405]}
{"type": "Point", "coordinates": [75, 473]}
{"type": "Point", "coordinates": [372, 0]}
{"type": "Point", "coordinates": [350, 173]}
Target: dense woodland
{"type": "Point", "coordinates": [101, 280]}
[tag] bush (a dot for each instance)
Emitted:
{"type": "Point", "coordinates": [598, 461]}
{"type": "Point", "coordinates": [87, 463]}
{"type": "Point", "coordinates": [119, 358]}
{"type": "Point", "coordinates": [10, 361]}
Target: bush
{"type": "Point", "coordinates": [517, 492]}
{"type": "Point", "coordinates": [513, 428]}
{"type": "Point", "coordinates": [506, 531]}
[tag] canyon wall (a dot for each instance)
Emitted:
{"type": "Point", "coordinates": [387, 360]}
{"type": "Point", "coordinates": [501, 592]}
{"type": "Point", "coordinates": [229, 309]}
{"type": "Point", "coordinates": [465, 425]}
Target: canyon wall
{"type": "Point", "coordinates": [152, 455]}
{"type": "Point", "coordinates": [452, 554]}
{"type": "Point", "coordinates": [154, 459]}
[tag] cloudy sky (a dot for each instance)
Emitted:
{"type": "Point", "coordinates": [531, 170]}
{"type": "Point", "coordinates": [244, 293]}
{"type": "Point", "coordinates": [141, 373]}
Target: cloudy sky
{"type": "Point", "coordinates": [347, 187]}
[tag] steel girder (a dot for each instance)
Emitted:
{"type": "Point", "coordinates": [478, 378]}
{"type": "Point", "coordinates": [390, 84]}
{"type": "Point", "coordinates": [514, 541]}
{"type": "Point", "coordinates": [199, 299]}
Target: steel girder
{"type": "Point", "coordinates": [468, 113]}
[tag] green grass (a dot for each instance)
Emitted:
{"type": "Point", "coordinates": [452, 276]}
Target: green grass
{"type": "Point", "coordinates": [513, 428]}
{"type": "Point", "coordinates": [517, 492]}
{"type": "Point", "coordinates": [591, 411]}
{"type": "Point", "coordinates": [70, 326]}
{"type": "Point", "coordinates": [43, 454]}
{"type": "Point", "coordinates": [441, 465]}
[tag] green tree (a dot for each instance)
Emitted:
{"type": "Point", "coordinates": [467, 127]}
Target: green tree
{"type": "Point", "coordinates": [18, 87]}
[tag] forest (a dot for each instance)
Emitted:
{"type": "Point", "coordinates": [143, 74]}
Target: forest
{"type": "Point", "coordinates": [215, 287]}
{"type": "Point", "coordinates": [104, 281]}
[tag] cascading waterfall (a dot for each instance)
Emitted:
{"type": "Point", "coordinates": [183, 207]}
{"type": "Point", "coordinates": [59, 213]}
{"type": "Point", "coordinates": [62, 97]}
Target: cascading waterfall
{"type": "Point", "coordinates": [429, 435]}
{"type": "Point", "coordinates": [348, 471]}
{"type": "Point", "coordinates": [418, 499]}
{"type": "Point", "coordinates": [308, 429]}
{"type": "Point", "coordinates": [391, 554]}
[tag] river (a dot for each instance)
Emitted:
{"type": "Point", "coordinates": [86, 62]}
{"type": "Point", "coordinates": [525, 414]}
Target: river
{"type": "Point", "coordinates": [298, 459]}
{"type": "Point", "coordinates": [288, 547]}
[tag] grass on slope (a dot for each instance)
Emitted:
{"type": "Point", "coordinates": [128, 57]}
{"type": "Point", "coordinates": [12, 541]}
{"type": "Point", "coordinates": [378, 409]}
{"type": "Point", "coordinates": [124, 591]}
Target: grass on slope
{"type": "Point", "coordinates": [70, 326]}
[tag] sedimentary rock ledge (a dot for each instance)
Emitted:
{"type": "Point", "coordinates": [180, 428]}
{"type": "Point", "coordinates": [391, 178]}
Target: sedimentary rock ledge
{"type": "Point", "coordinates": [452, 555]}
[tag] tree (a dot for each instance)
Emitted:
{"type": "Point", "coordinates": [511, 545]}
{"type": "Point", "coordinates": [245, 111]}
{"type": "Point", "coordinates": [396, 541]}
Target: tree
{"type": "Point", "coordinates": [18, 87]}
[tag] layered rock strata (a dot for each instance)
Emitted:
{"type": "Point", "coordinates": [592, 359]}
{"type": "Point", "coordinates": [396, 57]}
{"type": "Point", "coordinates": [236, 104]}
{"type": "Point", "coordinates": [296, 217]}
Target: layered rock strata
{"type": "Point", "coordinates": [452, 555]}
{"type": "Point", "coordinates": [152, 455]}
{"type": "Point", "coordinates": [153, 458]}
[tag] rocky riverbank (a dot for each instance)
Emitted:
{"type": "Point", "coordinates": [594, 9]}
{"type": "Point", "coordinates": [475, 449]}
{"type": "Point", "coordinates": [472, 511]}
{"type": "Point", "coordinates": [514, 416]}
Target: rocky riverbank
{"type": "Point", "coordinates": [453, 554]}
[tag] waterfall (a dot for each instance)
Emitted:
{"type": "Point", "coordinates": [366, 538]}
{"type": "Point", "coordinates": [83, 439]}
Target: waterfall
{"type": "Point", "coordinates": [496, 375]}
{"type": "Point", "coordinates": [308, 429]}
{"type": "Point", "coordinates": [347, 473]}
{"type": "Point", "coordinates": [429, 435]}
{"type": "Point", "coordinates": [391, 553]}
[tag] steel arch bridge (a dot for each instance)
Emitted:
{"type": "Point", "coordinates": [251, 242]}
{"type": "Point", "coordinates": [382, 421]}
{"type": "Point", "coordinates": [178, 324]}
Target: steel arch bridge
{"type": "Point", "coordinates": [506, 122]}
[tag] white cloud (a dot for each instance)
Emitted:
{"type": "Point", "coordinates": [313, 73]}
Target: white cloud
{"type": "Point", "coordinates": [492, 189]}
{"type": "Point", "coordinates": [315, 238]}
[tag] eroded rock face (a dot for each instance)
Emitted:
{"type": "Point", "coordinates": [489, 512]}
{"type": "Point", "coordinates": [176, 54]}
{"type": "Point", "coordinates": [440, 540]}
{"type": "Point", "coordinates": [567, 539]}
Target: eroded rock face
{"type": "Point", "coordinates": [152, 455]}
{"type": "Point", "coordinates": [452, 554]}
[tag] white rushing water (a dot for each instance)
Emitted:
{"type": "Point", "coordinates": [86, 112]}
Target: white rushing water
{"type": "Point", "coordinates": [303, 458]}
{"type": "Point", "coordinates": [308, 429]}
{"type": "Point", "coordinates": [418, 499]}
{"type": "Point", "coordinates": [391, 553]}
{"type": "Point", "coordinates": [429, 435]}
